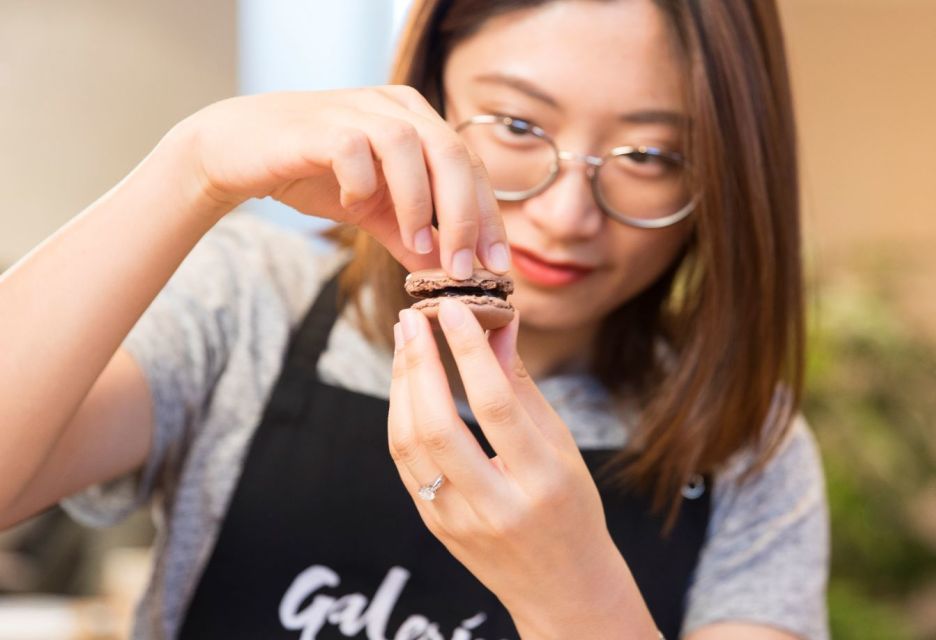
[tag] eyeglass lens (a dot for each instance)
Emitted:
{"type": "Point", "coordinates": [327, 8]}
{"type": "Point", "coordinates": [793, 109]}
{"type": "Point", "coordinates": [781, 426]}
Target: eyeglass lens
{"type": "Point", "coordinates": [520, 163]}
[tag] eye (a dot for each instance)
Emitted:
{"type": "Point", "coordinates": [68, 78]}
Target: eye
{"type": "Point", "coordinates": [651, 162]}
{"type": "Point", "coordinates": [518, 133]}
{"type": "Point", "coordinates": [518, 126]}
{"type": "Point", "coordinates": [642, 157]}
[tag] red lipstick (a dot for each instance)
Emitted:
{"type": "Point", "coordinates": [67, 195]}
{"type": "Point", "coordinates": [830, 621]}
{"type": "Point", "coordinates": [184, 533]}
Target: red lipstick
{"type": "Point", "coordinates": [546, 273]}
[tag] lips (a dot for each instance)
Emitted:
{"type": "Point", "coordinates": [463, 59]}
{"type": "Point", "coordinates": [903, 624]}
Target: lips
{"type": "Point", "coordinates": [547, 273]}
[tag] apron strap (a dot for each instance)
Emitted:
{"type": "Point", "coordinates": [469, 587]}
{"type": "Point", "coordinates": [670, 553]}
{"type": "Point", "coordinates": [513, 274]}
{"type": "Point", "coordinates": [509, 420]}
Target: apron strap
{"type": "Point", "coordinates": [311, 338]}
{"type": "Point", "coordinates": [308, 343]}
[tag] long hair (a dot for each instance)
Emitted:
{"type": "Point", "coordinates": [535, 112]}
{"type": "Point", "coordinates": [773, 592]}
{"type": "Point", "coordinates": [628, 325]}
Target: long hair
{"type": "Point", "coordinates": [728, 313]}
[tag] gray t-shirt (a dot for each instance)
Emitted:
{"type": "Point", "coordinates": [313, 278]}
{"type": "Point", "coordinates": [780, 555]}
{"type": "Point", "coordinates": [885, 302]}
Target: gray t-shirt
{"type": "Point", "coordinates": [211, 347]}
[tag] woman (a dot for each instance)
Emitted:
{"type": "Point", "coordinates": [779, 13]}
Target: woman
{"type": "Point", "coordinates": [640, 468]}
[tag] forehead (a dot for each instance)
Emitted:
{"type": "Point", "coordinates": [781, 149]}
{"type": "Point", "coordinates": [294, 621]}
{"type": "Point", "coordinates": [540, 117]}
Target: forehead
{"type": "Point", "coordinates": [593, 57]}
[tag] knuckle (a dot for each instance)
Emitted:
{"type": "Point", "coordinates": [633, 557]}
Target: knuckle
{"type": "Point", "coordinates": [407, 94]}
{"type": "Point", "coordinates": [554, 490]}
{"type": "Point", "coordinates": [419, 201]}
{"type": "Point", "coordinates": [403, 449]}
{"type": "Point", "coordinates": [398, 371]}
{"type": "Point", "coordinates": [411, 92]}
{"type": "Point", "coordinates": [519, 370]}
{"type": "Point", "coordinates": [476, 164]}
{"type": "Point", "coordinates": [498, 410]}
{"type": "Point", "coordinates": [372, 94]}
{"type": "Point", "coordinates": [399, 133]}
{"type": "Point", "coordinates": [350, 142]}
{"type": "Point", "coordinates": [547, 498]}
{"type": "Point", "coordinates": [463, 226]}
{"type": "Point", "coordinates": [468, 346]}
{"type": "Point", "coordinates": [458, 530]}
{"type": "Point", "coordinates": [436, 436]}
{"type": "Point", "coordinates": [437, 529]}
{"type": "Point", "coordinates": [507, 524]}
{"type": "Point", "coordinates": [453, 150]}
{"type": "Point", "coordinates": [416, 359]}
{"type": "Point", "coordinates": [404, 90]}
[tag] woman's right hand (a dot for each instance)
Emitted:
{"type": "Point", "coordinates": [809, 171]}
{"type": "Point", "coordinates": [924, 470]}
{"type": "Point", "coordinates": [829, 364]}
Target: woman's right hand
{"type": "Point", "coordinates": [379, 158]}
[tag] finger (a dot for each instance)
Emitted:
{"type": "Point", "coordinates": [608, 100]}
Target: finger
{"type": "Point", "coordinates": [503, 343]}
{"type": "Point", "coordinates": [361, 180]}
{"type": "Point", "coordinates": [438, 427]}
{"type": "Point", "coordinates": [386, 231]}
{"type": "Point", "coordinates": [353, 164]}
{"type": "Point", "coordinates": [468, 216]}
{"type": "Point", "coordinates": [418, 175]}
{"type": "Point", "coordinates": [492, 247]}
{"type": "Point", "coordinates": [449, 505]}
{"type": "Point", "coordinates": [467, 212]}
{"type": "Point", "coordinates": [499, 411]}
{"type": "Point", "coordinates": [381, 177]}
{"type": "Point", "coordinates": [416, 466]}
{"type": "Point", "coordinates": [455, 197]}
{"type": "Point", "coordinates": [411, 99]}
{"type": "Point", "coordinates": [398, 148]}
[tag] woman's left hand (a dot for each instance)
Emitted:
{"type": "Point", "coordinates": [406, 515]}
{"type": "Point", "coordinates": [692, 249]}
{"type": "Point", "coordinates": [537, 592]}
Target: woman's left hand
{"type": "Point", "coordinates": [528, 523]}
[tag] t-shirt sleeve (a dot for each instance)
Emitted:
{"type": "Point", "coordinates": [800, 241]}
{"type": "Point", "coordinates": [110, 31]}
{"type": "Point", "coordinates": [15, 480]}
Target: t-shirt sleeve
{"type": "Point", "coordinates": [241, 269]}
{"type": "Point", "coordinates": [767, 553]}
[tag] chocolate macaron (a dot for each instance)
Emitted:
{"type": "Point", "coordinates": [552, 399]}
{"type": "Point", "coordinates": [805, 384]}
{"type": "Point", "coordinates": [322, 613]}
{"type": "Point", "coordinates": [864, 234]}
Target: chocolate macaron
{"type": "Point", "coordinates": [484, 292]}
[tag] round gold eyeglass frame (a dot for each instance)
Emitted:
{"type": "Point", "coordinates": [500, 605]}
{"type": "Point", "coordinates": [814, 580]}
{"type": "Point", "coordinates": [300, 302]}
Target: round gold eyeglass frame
{"type": "Point", "coordinates": [593, 164]}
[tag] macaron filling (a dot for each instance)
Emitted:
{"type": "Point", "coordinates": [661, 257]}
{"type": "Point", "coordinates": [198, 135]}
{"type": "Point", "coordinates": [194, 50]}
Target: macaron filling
{"type": "Point", "coordinates": [454, 292]}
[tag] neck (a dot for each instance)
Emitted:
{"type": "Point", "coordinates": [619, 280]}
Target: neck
{"type": "Point", "coordinates": [544, 353]}
{"type": "Point", "coordinates": [550, 352]}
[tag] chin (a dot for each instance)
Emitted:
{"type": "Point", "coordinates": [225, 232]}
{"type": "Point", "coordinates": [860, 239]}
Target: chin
{"type": "Point", "coordinates": [545, 312]}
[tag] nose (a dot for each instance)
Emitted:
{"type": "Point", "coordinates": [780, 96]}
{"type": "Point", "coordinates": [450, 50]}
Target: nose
{"type": "Point", "coordinates": [566, 209]}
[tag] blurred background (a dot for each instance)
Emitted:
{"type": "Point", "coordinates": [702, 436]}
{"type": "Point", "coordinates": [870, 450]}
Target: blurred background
{"type": "Point", "coordinates": [89, 86]}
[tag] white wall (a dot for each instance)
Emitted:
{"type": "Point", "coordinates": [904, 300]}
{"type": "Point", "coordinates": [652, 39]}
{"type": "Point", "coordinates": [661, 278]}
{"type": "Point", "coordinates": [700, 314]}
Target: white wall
{"type": "Point", "coordinates": [87, 88]}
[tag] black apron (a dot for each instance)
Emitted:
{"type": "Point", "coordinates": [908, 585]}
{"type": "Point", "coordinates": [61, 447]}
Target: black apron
{"type": "Point", "coordinates": [321, 540]}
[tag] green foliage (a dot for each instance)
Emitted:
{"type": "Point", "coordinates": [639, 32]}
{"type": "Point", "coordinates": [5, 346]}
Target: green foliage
{"type": "Point", "coordinates": [856, 616]}
{"type": "Point", "coordinates": [871, 398]}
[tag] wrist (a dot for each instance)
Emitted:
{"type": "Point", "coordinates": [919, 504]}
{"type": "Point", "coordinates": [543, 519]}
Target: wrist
{"type": "Point", "coordinates": [602, 602]}
{"type": "Point", "coordinates": [176, 161]}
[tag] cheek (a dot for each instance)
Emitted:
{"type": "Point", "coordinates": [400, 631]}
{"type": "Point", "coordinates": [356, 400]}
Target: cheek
{"type": "Point", "coordinates": [641, 256]}
{"type": "Point", "coordinates": [632, 259]}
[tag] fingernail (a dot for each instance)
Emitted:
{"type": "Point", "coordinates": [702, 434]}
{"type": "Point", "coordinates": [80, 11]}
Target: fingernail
{"type": "Point", "coordinates": [451, 314]}
{"type": "Point", "coordinates": [462, 263]}
{"type": "Point", "coordinates": [397, 337]}
{"type": "Point", "coordinates": [422, 240]}
{"type": "Point", "coordinates": [498, 258]}
{"type": "Point", "coordinates": [410, 323]}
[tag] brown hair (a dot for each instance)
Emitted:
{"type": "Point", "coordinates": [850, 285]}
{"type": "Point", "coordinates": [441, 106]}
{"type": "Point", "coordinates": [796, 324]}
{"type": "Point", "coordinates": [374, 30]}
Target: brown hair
{"type": "Point", "coordinates": [730, 309]}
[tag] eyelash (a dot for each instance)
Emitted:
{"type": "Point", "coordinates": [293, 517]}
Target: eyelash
{"type": "Point", "coordinates": [533, 123]}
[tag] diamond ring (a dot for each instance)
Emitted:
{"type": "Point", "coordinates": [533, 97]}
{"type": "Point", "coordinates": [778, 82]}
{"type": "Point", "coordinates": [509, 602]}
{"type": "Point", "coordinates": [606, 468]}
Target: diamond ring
{"type": "Point", "coordinates": [428, 491]}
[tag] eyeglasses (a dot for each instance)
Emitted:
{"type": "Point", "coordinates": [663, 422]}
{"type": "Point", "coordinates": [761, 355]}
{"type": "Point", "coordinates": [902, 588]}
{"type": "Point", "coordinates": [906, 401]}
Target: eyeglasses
{"type": "Point", "coordinates": [640, 186]}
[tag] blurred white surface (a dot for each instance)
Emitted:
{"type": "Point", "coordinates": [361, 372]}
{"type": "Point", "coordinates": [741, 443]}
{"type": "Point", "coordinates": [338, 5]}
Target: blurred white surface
{"type": "Point", "coordinates": [107, 617]}
{"type": "Point", "coordinates": [50, 618]}
{"type": "Point", "coordinates": [302, 45]}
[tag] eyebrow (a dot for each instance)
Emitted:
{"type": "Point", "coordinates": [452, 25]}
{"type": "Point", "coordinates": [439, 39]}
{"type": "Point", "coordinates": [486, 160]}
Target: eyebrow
{"type": "Point", "coordinates": [645, 116]}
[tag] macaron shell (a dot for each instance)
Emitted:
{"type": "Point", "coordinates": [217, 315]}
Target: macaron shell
{"type": "Point", "coordinates": [422, 283]}
{"type": "Point", "coordinates": [491, 313]}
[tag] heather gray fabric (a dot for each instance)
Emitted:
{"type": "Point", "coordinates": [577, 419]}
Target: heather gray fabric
{"type": "Point", "coordinates": [210, 347]}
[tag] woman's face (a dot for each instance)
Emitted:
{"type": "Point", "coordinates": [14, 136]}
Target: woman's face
{"type": "Point", "coordinates": [595, 76]}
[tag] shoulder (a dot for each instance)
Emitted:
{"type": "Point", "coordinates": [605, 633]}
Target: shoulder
{"type": "Point", "coordinates": [766, 555]}
{"type": "Point", "coordinates": [246, 253]}
{"type": "Point", "coordinates": [793, 476]}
